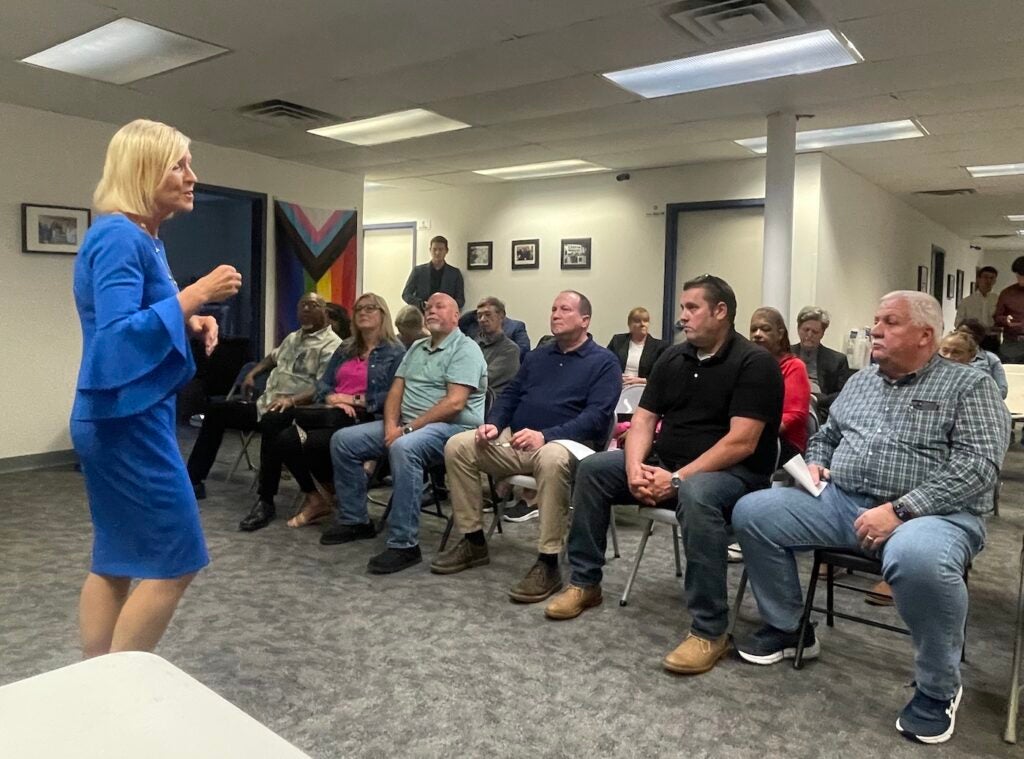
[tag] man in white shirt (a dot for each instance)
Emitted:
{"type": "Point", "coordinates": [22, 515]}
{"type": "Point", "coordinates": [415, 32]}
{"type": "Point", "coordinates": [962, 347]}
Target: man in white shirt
{"type": "Point", "coordinates": [981, 305]}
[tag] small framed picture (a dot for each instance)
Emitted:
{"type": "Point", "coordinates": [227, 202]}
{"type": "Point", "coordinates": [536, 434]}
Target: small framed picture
{"type": "Point", "coordinates": [53, 229]}
{"type": "Point", "coordinates": [972, 289]}
{"type": "Point", "coordinates": [576, 253]}
{"type": "Point", "coordinates": [479, 255]}
{"type": "Point", "coordinates": [923, 285]}
{"type": "Point", "coordinates": [950, 284]}
{"type": "Point", "coordinates": [526, 254]}
{"type": "Point", "coordinates": [959, 292]}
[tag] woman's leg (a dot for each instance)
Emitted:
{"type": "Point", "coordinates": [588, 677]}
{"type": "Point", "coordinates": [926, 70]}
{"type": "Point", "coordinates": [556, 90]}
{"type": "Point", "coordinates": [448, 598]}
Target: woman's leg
{"type": "Point", "coordinates": [147, 612]}
{"type": "Point", "coordinates": [99, 606]}
{"type": "Point", "coordinates": [293, 454]}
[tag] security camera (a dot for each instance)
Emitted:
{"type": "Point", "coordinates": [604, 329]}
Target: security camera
{"type": "Point", "coordinates": [624, 177]}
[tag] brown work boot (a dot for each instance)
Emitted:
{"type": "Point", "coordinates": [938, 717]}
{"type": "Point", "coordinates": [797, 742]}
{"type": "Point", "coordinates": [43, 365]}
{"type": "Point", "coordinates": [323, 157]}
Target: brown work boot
{"type": "Point", "coordinates": [696, 655]}
{"type": "Point", "coordinates": [573, 601]}
{"type": "Point", "coordinates": [463, 556]}
{"type": "Point", "coordinates": [540, 582]}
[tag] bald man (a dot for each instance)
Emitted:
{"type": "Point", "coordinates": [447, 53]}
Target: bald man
{"type": "Point", "coordinates": [438, 391]}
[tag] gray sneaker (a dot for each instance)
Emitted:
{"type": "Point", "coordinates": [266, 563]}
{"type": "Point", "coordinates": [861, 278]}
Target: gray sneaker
{"type": "Point", "coordinates": [464, 555]}
{"type": "Point", "coordinates": [520, 512]}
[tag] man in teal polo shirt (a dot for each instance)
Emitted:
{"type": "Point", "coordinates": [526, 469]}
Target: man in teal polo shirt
{"type": "Point", "coordinates": [438, 391]}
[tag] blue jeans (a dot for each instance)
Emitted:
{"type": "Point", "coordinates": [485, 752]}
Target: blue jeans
{"type": "Point", "coordinates": [409, 455]}
{"type": "Point", "coordinates": [923, 560]}
{"type": "Point", "coordinates": [702, 508]}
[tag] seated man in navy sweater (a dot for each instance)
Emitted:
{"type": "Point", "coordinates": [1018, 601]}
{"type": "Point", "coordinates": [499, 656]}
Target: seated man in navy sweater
{"type": "Point", "coordinates": [566, 389]}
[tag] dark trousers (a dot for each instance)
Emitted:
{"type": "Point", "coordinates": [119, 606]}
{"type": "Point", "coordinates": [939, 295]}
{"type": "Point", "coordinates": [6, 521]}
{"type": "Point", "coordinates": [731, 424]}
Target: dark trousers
{"type": "Point", "coordinates": [991, 344]}
{"type": "Point", "coordinates": [240, 415]}
{"type": "Point", "coordinates": [312, 459]}
{"type": "Point", "coordinates": [703, 509]}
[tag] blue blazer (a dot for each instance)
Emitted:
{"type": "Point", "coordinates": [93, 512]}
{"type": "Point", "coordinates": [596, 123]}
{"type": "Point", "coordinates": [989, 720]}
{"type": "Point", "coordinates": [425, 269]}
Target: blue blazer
{"type": "Point", "coordinates": [514, 329]}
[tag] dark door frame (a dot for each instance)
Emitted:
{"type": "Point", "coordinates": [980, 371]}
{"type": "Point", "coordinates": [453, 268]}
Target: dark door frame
{"type": "Point", "coordinates": [939, 274]}
{"type": "Point", "coordinates": [258, 261]}
{"type": "Point", "coordinates": [672, 211]}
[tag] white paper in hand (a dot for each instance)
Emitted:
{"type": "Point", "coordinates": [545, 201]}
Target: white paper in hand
{"type": "Point", "coordinates": [797, 469]}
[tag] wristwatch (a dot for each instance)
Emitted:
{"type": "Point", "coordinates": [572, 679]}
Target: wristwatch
{"type": "Point", "coordinates": [407, 429]}
{"type": "Point", "coordinates": [902, 512]}
{"type": "Point", "coordinates": [676, 480]}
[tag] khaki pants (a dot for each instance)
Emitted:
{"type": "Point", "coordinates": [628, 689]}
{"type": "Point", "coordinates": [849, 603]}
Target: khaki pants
{"type": "Point", "coordinates": [552, 466]}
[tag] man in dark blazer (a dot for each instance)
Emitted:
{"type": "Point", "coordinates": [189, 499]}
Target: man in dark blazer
{"type": "Point", "coordinates": [434, 277]}
{"type": "Point", "coordinates": [514, 329]}
{"type": "Point", "coordinates": [636, 371]}
{"type": "Point", "coordinates": [827, 369]}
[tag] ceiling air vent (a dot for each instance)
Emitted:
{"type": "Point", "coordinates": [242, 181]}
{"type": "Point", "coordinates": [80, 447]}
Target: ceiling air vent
{"type": "Point", "coordinates": [947, 193]}
{"type": "Point", "coordinates": [281, 112]}
{"type": "Point", "coordinates": [725, 22]}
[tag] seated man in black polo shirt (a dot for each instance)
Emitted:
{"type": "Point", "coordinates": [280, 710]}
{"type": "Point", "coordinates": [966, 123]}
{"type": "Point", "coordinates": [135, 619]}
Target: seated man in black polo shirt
{"type": "Point", "coordinates": [719, 400]}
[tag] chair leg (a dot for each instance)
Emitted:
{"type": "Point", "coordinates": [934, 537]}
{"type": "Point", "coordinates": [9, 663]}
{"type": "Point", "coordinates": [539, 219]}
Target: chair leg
{"type": "Point", "coordinates": [636, 563]}
{"type": "Point", "coordinates": [740, 591]}
{"type": "Point", "coordinates": [963, 648]}
{"type": "Point", "coordinates": [615, 537]}
{"type": "Point", "coordinates": [830, 594]}
{"type": "Point", "coordinates": [384, 519]}
{"type": "Point", "coordinates": [1013, 701]}
{"type": "Point", "coordinates": [798, 660]}
{"type": "Point", "coordinates": [447, 533]}
{"type": "Point", "coordinates": [675, 550]}
{"type": "Point", "coordinates": [245, 439]}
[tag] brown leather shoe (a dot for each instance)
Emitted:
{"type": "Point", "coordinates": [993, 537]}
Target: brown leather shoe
{"type": "Point", "coordinates": [540, 582]}
{"type": "Point", "coordinates": [696, 655]}
{"type": "Point", "coordinates": [573, 601]}
{"type": "Point", "coordinates": [463, 556]}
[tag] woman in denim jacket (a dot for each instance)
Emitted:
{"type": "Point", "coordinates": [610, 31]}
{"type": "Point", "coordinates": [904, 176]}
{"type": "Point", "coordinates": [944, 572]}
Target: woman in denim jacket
{"type": "Point", "coordinates": [352, 390]}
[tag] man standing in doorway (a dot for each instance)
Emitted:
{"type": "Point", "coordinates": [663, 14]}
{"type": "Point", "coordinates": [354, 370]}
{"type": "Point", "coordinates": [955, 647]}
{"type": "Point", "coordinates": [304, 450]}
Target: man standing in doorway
{"type": "Point", "coordinates": [981, 305]}
{"type": "Point", "coordinates": [434, 277]}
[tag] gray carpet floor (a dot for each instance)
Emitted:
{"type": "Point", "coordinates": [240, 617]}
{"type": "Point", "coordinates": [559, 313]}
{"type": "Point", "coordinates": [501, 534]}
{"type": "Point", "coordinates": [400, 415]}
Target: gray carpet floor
{"type": "Point", "coordinates": [344, 664]}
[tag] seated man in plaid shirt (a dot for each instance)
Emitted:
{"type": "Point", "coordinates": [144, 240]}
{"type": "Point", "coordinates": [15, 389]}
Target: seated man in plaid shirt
{"type": "Point", "coordinates": [911, 451]}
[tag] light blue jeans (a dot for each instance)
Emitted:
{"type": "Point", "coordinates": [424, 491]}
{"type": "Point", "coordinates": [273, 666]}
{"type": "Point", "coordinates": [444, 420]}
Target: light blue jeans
{"type": "Point", "coordinates": [923, 560]}
{"type": "Point", "coordinates": [409, 455]}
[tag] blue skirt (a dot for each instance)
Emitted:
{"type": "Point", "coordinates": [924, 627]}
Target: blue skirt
{"type": "Point", "coordinates": [144, 512]}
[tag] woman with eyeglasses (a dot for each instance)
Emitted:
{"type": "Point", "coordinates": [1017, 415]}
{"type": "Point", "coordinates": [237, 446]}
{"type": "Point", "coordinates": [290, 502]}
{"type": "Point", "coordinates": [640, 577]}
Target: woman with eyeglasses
{"type": "Point", "coordinates": [352, 390]}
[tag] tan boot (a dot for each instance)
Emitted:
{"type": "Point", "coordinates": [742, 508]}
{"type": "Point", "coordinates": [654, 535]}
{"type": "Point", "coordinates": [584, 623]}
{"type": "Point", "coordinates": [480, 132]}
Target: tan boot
{"type": "Point", "coordinates": [696, 655]}
{"type": "Point", "coordinates": [572, 602]}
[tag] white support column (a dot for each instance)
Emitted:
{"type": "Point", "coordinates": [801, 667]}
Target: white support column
{"type": "Point", "coordinates": [780, 169]}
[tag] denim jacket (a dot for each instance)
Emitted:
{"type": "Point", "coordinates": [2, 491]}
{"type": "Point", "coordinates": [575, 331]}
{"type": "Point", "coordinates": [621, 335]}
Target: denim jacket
{"type": "Point", "coordinates": [384, 360]}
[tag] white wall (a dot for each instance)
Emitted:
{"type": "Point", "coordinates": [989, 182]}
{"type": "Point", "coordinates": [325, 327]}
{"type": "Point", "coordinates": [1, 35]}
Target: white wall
{"type": "Point", "coordinates": [871, 243]}
{"type": "Point", "coordinates": [56, 160]}
{"type": "Point", "coordinates": [1001, 260]}
{"type": "Point", "coordinates": [624, 219]}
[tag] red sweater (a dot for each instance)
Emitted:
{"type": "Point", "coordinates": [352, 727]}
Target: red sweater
{"type": "Point", "coordinates": [796, 403]}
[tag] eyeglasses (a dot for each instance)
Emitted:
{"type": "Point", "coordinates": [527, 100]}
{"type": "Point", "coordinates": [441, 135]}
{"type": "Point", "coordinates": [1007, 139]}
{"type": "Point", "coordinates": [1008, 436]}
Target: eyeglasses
{"type": "Point", "coordinates": [367, 307]}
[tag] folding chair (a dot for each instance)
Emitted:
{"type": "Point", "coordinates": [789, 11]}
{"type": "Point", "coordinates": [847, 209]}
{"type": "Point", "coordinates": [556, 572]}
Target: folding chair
{"type": "Point", "coordinates": [245, 437]}
{"type": "Point", "coordinates": [1013, 700]}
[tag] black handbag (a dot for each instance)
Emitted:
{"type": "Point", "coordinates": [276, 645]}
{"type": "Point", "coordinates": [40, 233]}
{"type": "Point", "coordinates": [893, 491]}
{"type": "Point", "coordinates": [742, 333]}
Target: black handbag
{"type": "Point", "coordinates": [319, 416]}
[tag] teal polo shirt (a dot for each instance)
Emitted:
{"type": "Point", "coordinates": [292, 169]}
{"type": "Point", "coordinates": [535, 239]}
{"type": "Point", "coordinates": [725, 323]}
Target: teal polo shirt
{"type": "Point", "coordinates": [428, 371]}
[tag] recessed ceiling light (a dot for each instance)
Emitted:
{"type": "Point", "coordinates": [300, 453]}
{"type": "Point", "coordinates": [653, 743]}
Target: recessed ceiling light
{"type": "Point", "coordinates": [124, 51]}
{"type": "Point", "coordinates": [817, 139]}
{"type": "Point", "coordinates": [370, 185]}
{"type": "Point", "coordinates": [802, 54]}
{"type": "Point", "coordinates": [996, 170]}
{"type": "Point", "coordinates": [391, 127]}
{"type": "Point", "coordinates": [1015, 217]}
{"type": "Point", "coordinates": [547, 169]}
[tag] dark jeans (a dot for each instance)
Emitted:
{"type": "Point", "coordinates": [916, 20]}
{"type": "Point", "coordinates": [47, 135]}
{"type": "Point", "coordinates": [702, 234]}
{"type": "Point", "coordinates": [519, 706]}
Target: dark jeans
{"type": "Point", "coordinates": [703, 509]}
{"type": "Point", "coordinates": [1012, 351]}
{"type": "Point", "coordinates": [240, 415]}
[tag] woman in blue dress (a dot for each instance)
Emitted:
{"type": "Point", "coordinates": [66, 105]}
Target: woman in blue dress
{"type": "Point", "coordinates": [135, 357]}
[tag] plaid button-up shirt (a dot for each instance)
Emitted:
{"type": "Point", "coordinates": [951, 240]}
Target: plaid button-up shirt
{"type": "Point", "coordinates": [934, 439]}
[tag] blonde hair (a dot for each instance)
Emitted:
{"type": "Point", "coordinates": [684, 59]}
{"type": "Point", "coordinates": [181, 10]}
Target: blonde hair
{"type": "Point", "coordinates": [639, 313]}
{"type": "Point", "coordinates": [387, 330]}
{"type": "Point", "coordinates": [960, 339]}
{"type": "Point", "coordinates": [138, 157]}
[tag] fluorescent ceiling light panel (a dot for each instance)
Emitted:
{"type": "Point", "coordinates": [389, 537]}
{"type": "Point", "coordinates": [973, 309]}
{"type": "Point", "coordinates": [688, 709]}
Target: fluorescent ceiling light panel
{"type": "Point", "coordinates": [996, 170]}
{"type": "Point", "coordinates": [391, 127]}
{"type": "Point", "coordinates": [802, 54]}
{"type": "Point", "coordinates": [817, 139]}
{"type": "Point", "coordinates": [1016, 218]}
{"type": "Point", "coordinates": [124, 51]}
{"type": "Point", "coordinates": [547, 169]}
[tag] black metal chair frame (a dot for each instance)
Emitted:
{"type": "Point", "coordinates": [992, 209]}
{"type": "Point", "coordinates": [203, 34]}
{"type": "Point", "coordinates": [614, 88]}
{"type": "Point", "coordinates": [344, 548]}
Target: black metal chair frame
{"type": "Point", "coordinates": [1013, 700]}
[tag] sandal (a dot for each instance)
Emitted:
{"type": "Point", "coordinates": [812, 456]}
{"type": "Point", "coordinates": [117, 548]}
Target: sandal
{"type": "Point", "coordinates": [309, 514]}
{"type": "Point", "coordinates": [879, 595]}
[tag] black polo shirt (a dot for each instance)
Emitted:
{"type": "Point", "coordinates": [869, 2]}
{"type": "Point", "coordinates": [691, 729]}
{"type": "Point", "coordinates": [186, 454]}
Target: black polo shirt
{"type": "Point", "coordinates": [697, 399]}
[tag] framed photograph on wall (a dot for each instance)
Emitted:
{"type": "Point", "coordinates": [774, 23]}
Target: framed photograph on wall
{"type": "Point", "coordinates": [950, 283]}
{"type": "Point", "coordinates": [959, 286]}
{"type": "Point", "coordinates": [479, 255]}
{"type": "Point", "coordinates": [971, 291]}
{"type": "Point", "coordinates": [922, 279]}
{"type": "Point", "coordinates": [526, 254]}
{"type": "Point", "coordinates": [53, 229]}
{"type": "Point", "coordinates": [576, 253]}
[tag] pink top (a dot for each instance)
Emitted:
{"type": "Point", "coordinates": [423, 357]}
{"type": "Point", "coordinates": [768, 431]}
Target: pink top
{"type": "Point", "coordinates": [351, 376]}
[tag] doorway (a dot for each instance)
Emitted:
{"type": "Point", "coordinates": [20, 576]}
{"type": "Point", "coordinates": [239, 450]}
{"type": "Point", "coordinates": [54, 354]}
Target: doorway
{"type": "Point", "coordinates": [389, 253]}
{"type": "Point", "coordinates": [724, 238]}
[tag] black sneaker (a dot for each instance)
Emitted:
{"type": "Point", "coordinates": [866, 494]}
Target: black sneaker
{"type": "Point", "coordinates": [394, 560]}
{"type": "Point", "coordinates": [770, 645]}
{"type": "Point", "coordinates": [521, 512]}
{"type": "Point", "coordinates": [927, 719]}
{"type": "Point", "coordinates": [346, 533]}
